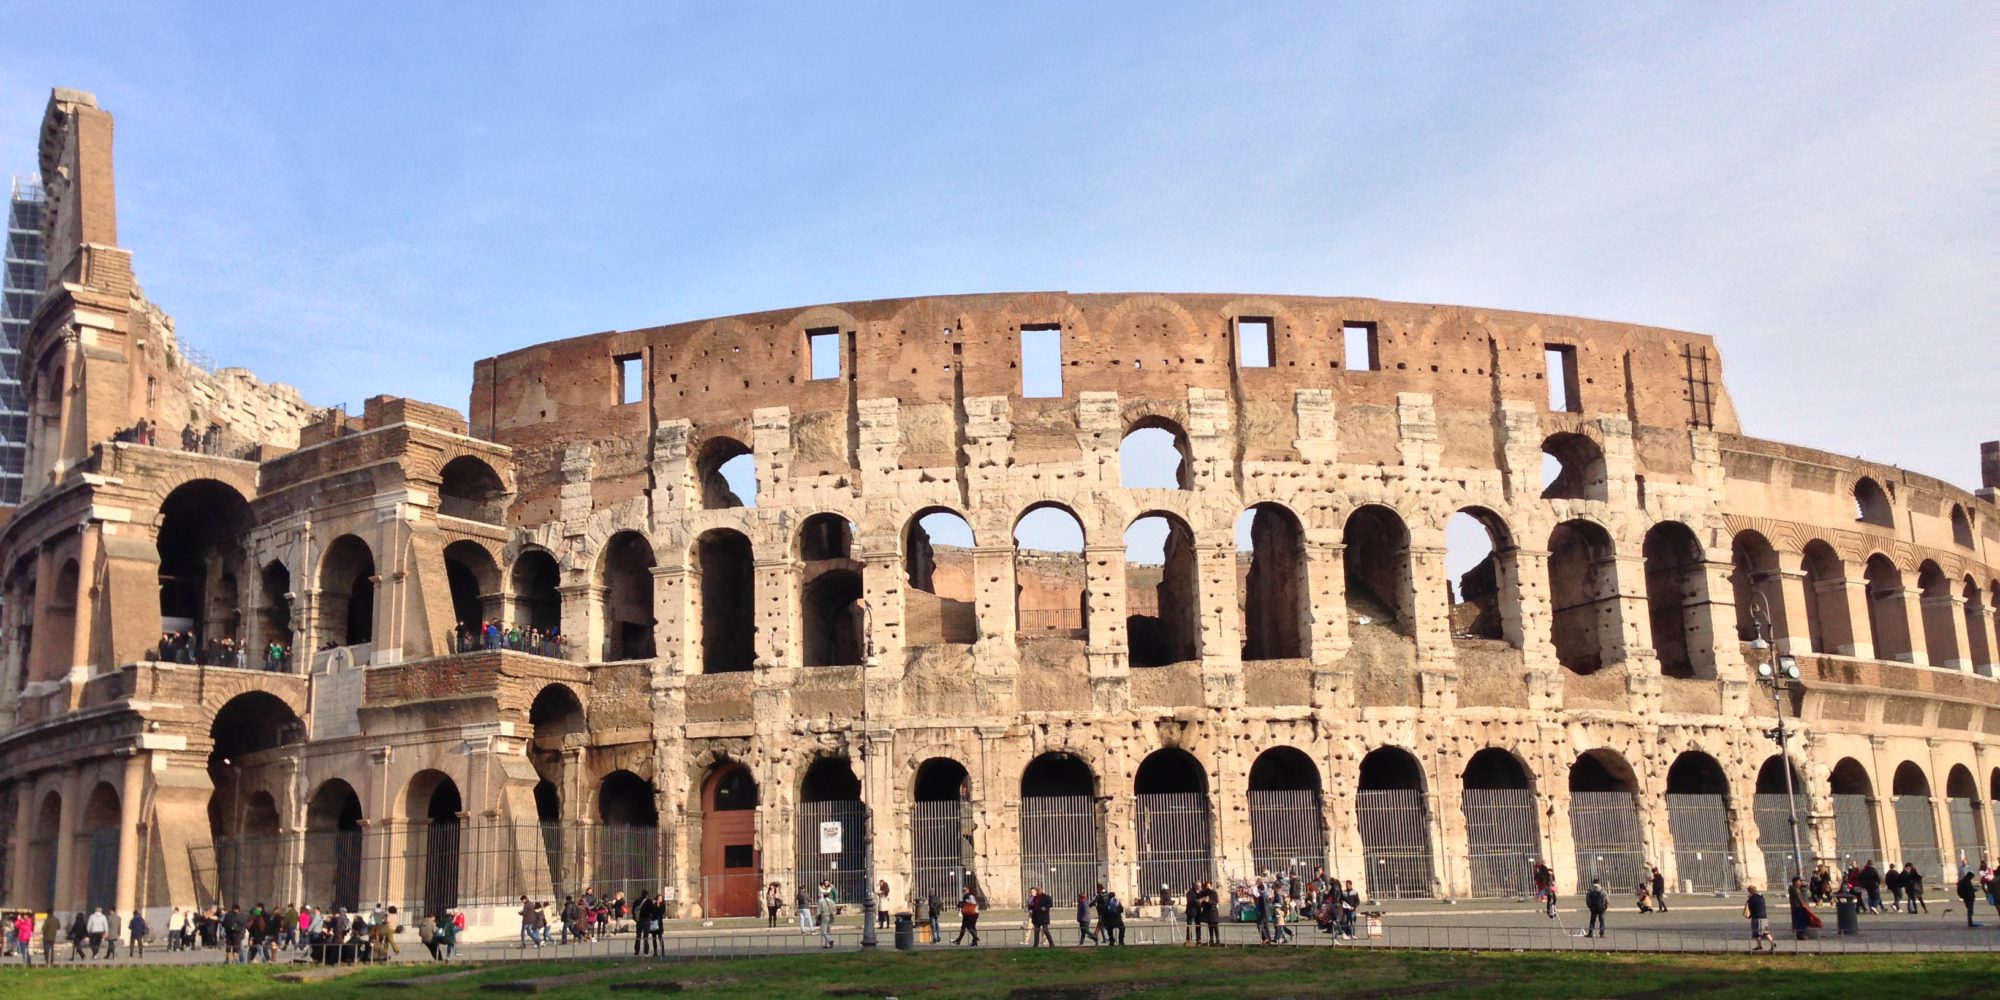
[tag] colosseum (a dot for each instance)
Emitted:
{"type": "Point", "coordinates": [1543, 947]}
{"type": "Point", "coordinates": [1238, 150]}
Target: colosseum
{"type": "Point", "coordinates": [1008, 589]}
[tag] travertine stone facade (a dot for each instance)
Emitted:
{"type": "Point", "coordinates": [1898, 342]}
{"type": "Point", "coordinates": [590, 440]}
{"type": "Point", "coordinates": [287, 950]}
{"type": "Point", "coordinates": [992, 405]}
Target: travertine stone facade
{"type": "Point", "coordinates": [730, 675]}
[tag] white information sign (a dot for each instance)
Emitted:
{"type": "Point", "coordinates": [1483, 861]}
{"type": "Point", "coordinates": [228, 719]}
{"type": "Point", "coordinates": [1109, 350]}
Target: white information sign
{"type": "Point", "coordinates": [829, 837]}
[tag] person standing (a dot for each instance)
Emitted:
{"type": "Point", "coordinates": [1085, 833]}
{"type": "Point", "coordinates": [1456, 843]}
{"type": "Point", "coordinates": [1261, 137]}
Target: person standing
{"type": "Point", "coordinates": [1282, 914]}
{"type": "Point", "coordinates": [773, 902]}
{"type": "Point", "coordinates": [137, 931]}
{"type": "Point", "coordinates": [643, 915]}
{"type": "Point", "coordinates": [932, 907]}
{"type": "Point", "coordinates": [1596, 902]}
{"type": "Point", "coordinates": [1545, 883]}
{"type": "Point", "coordinates": [808, 908]}
{"type": "Point", "coordinates": [968, 918]}
{"type": "Point", "coordinates": [449, 929]}
{"type": "Point", "coordinates": [829, 898]}
{"type": "Point", "coordinates": [176, 928]}
{"type": "Point", "coordinates": [1757, 912]}
{"type": "Point", "coordinates": [1260, 897]}
{"type": "Point", "coordinates": [1968, 890]}
{"type": "Point", "coordinates": [51, 929]}
{"type": "Point", "coordinates": [1659, 889]}
{"type": "Point", "coordinates": [1039, 905]}
{"type": "Point", "coordinates": [1114, 920]}
{"type": "Point", "coordinates": [1192, 915]}
{"type": "Point", "coordinates": [1211, 912]}
{"type": "Point", "coordinates": [24, 935]}
{"type": "Point", "coordinates": [1803, 919]}
{"type": "Point", "coordinates": [882, 903]}
{"type": "Point", "coordinates": [659, 925]}
{"type": "Point", "coordinates": [232, 936]}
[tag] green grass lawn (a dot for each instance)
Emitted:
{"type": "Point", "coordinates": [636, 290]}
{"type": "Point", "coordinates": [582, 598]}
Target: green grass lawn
{"type": "Point", "coordinates": [1250, 973]}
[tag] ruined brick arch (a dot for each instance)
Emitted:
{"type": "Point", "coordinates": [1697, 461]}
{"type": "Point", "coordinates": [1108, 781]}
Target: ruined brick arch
{"type": "Point", "coordinates": [696, 768]}
{"type": "Point", "coordinates": [1094, 757]}
{"type": "Point", "coordinates": [1579, 453]}
{"type": "Point", "coordinates": [1171, 633]}
{"type": "Point", "coordinates": [1462, 765]}
{"type": "Point", "coordinates": [1375, 562]}
{"type": "Point", "coordinates": [414, 801]}
{"type": "Point", "coordinates": [715, 451]}
{"type": "Point", "coordinates": [221, 691]}
{"type": "Point", "coordinates": [180, 474]}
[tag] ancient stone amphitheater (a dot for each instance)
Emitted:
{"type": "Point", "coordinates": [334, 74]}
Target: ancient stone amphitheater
{"type": "Point", "coordinates": [1039, 588]}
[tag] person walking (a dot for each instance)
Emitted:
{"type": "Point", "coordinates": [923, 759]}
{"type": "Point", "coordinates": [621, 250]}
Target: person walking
{"type": "Point", "coordinates": [1545, 888]}
{"type": "Point", "coordinates": [51, 930]}
{"type": "Point", "coordinates": [112, 926]}
{"type": "Point", "coordinates": [968, 917]}
{"type": "Point", "coordinates": [1968, 891]}
{"type": "Point", "coordinates": [1757, 912]}
{"type": "Point", "coordinates": [427, 934]}
{"type": "Point", "coordinates": [527, 913]}
{"type": "Point", "coordinates": [932, 907]}
{"type": "Point", "coordinates": [1083, 931]}
{"type": "Point", "coordinates": [1283, 913]}
{"type": "Point", "coordinates": [449, 930]}
{"type": "Point", "coordinates": [1803, 918]}
{"type": "Point", "coordinates": [1870, 881]}
{"type": "Point", "coordinates": [1039, 905]}
{"type": "Point", "coordinates": [24, 935]}
{"type": "Point", "coordinates": [94, 929]}
{"type": "Point", "coordinates": [137, 932]}
{"type": "Point", "coordinates": [828, 901]}
{"type": "Point", "coordinates": [1596, 902]}
{"type": "Point", "coordinates": [1260, 898]}
{"type": "Point", "coordinates": [1913, 888]}
{"type": "Point", "coordinates": [1659, 889]}
{"type": "Point", "coordinates": [1893, 881]}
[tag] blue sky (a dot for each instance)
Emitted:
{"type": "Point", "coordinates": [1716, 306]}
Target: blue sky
{"type": "Point", "coordinates": [368, 197]}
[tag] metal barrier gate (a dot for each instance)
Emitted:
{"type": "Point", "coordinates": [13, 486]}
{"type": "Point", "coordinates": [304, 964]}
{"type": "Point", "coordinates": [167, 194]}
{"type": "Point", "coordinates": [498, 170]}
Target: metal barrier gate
{"type": "Point", "coordinates": [1605, 829]}
{"type": "Point", "coordinates": [1854, 829]}
{"type": "Point", "coordinates": [1702, 854]}
{"type": "Point", "coordinates": [1174, 843]}
{"type": "Point", "coordinates": [1061, 845]}
{"type": "Point", "coordinates": [1502, 840]}
{"type": "Point", "coordinates": [1395, 843]}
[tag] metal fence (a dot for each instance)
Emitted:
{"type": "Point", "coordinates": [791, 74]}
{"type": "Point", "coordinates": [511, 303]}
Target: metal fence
{"type": "Point", "coordinates": [1916, 826]}
{"type": "Point", "coordinates": [1175, 847]}
{"type": "Point", "coordinates": [844, 867]}
{"type": "Point", "coordinates": [1395, 843]}
{"type": "Point", "coordinates": [1502, 840]}
{"type": "Point", "coordinates": [941, 853]}
{"type": "Point", "coordinates": [1854, 828]}
{"type": "Point", "coordinates": [1062, 844]}
{"type": "Point", "coordinates": [1702, 853]}
{"type": "Point", "coordinates": [1287, 831]}
{"type": "Point", "coordinates": [1605, 828]}
{"type": "Point", "coordinates": [1773, 814]}
{"type": "Point", "coordinates": [427, 867]}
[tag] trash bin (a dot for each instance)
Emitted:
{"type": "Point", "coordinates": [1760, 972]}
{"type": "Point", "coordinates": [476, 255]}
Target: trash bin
{"type": "Point", "coordinates": [1847, 912]}
{"type": "Point", "coordinates": [906, 932]}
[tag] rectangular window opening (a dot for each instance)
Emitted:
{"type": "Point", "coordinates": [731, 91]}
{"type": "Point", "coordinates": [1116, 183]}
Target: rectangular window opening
{"type": "Point", "coordinates": [1362, 348]}
{"type": "Point", "coordinates": [738, 856]}
{"type": "Point", "coordinates": [1254, 346]}
{"type": "Point", "coordinates": [631, 378]}
{"type": "Point", "coordinates": [1041, 361]}
{"type": "Point", "coordinates": [1561, 363]}
{"type": "Point", "coordinates": [824, 347]}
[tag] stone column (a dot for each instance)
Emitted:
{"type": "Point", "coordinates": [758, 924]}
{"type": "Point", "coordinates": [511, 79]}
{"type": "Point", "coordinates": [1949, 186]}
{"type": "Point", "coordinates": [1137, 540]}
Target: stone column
{"type": "Point", "coordinates": [36, 664]}
{"type": "Point", "coordinates": [1430, 625]}
{"type": "Point", "coordinates": [1881, 793]}
{"type": "Point", "coordinates": [68, 896]}
{"type": "Point", "coordinates": [1221, 635]}
{"type": "Point", "coordinates": [1961, 650]}
{"type": "Point", "coordinates": [1105, 647]}
{"type": "Point", "coordinates": [1536, 618]}
{"type": "Point", "coordinates": [777, 601]}
{"type": "Point", "coordinates": [1851, 593]}
{"type": "Point", "coordinates": [1985, 626]}
{"type": "Point", "coordinates": [21, 885]}
{"type": "Point", "coordinates": [676, 626]}
{"type": "Point", "coordinates": [131, 799]}
{"type": "Point", "coordinates": [993, 592]}
{"type": "Point", "coordinates": [1906, 604]}
{"type": "Point", "coordinates": [583, 620]}
{"type": "Point", "coordinates": [80, 665]}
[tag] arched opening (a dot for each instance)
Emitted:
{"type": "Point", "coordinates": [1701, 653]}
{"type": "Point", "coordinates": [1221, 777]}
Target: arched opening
{"type": "Point", "coordinates": [1483, 586]}
{"type": "Point", "coordinates": [1676, 588]}
{"type": "Point", "coordinates": [732, 875]}
{"type": "Point", "coordinates": [347, 593]}
{"type": "Point", "coordinates": [1871, 504]}
{"type": "Point", "coordinates": [1583, 596]}
{"type": "Point", "coordinates": [434, 809]}
{"type": "Point", "coordinates": [1916, 821]}
{"type": "Point", "coordinates": [1049, 579]}
{"type": "Point", "coordinates": [1756, 581]}
{"type": "Point", "coordinates": [937, 565]}
{"type": "Point", "coordinates": [1979, 650]}
{"type": "Point", "coordinates": [1375, 560]}
{"type": "Point", "coordinates": [831, 816]}
{"type": "Point", "coordinates": [555, 717]}
{"type": "Point", "coordinates": [726, 474]}
{"type": "Point", "coordinates": [97, 833]}
{"type": "Point", "coordinates": [1162, 592]}
{"type": "Point", "coordinates": [941, 848]}
{"type": "Point", "coordinates": [832, 618]}
{"type": "Point", "coordinates": [1939, 617]}
{"type": "Point", "coordinates": [1827, 623]}
{"type": "Point", "coordinates": [470, 489]}
{"type": "Point", "coordinates": [628, 835]}
{"type": "Point", "coordinates": [1062, 832]}
{"type": "Point", "coordinates": [1271, 568]}
{"type": "Point", "coordinates": [537, 601]}
{"type": "Point", "coordinates": [1154, 455]}
{"type": "Point", "coordinates": [1172, 806]}
{"type": "Point", "coordinates": [556, 864]}
{"type": "Point", "coordinates": [275, 617]}
{"type": "Point", "coordinates": [1572, 468]}
{"type": "Point", "coordinates": [1855, 835]}
{"type": "Point", "coordinates": [728, 596]}
{"type": "Point", "coordinates": [1698, 818]}
{"type": "Point", "coordinates": [1961, 809]}
{"type": "Point", "coordinates": [202, 527]}
{"type": "Point", "coordinates": [332, 870]}
{"type": "Point", "coordinates": [243, 820]}
{"type": "Point", "coordinates": [1390, 808]}
{"type": "Point", "coordinates": [1776, 806]}
{"type": "Point", "coordinates": [1287, 824]}
{"type": "Point", "coordinates": [1604, 820]}
{"type": "Point", "coordinates": [43, 855]}
{"type": "Point", "coordinates": [474, 579]}
{"type": "Point", "coordinates": [1503, 834]}
{"type": "Point", "coordinates": [1888, 624]}
{"type": "Point", "coordinates": [627, 578]}
{"type": "Point", "coordinates": [1961, 526]}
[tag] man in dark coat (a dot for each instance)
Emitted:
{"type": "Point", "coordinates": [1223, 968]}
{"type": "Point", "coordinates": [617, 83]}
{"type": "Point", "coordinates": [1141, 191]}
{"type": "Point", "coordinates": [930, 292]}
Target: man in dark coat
{"type": "Point", "coordinates": [1596, 901]}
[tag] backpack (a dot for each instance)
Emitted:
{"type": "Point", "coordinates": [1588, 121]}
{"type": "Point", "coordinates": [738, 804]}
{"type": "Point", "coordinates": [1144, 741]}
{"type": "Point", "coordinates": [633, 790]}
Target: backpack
{"type": "Point", "coordinates": [1113, 906]}
{"type": "Point", "coordinates": [1595, 900]}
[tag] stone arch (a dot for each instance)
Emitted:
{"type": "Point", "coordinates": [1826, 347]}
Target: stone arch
{"type": "Point", "coordinates": [1485, 600]}
{"type": "Point", "coordinates": [941, 829]}
{"type": "Point", "coordinates": [1977, 613]}
{"type": "Point", "coordinates": [938, 604]}
{"type": "Point", "coordinates": [1391, 809]}
{"type": "Point", "coordinates": [96, 871]}
{"type": "Point", "coordinates": [722, 465]}
{"type": "Point", "coordinates": [1154, 454]}
{"type": "Point", "coordinates": [1961, 805]}
{"type": "Point", "coordinates": [347, 592]}
{"type": "Point", "coordinates": [1676, 592]}
{"type": "Point", "coordinates": [470, 489]}
{"type": "Point", "coordinates": [44, 853]}
{"type": "Point", "coordinates": [1287, 819]}
{"type": "Point", "coordinates": [725, 591]}
{"type": "Point", "coordinates": [1503, 839]}
{"type": "Point", "coordinates": [1961, 526]}
{"type": "Point", "coordinates": [1051, 592]}
{"type": "Point", "coordinates": [473, 577]}
{"type": "Point", "coordinates": [1857, 837]}
{"type": "Point", "coordinates": [1163, 614]}
{"type": "Point", "coordinates": [628, 848]}
{"type": "Point", "coordinates": [1275, 609]}
{"type": "Point", "coordinates": [1888, 624]}
{"type": "Point", "coordinates": [732, 874]}
{"type": "Point", "coordinates": [1573, 468]}
{"type": "Point", "coordinates": [1781, 795]}
{"type": "Point", "coordinates": [1583, 595]}
{"type": "Point", "coordinates": [535, 582]}
{"type": "Point", "coordinates": [1828, 626]}
{"type": "Point", "coordinates": [625, 571]}
{"type": "Point", "coordinates": [1174, 822]}
{"type": "Point", "coordinates": [1604, 819]}
{"type": "Point", "coordinates": [1916, 820]}
{"type": "Point", "coordinates": [1698, 818]}
{"type": "Point", "coordinates": [1375, 559]}
{"type": "Point", "coordinates": [1934, 592]}
{"type": "Point", "coordinates": [201, 540]}
{"type": "Point", "coordinates": [333, 849]}
{"type": "Point", "coordinates": [1757, 580]}
{"type": "Point", "coordinates": [829, 793]}
{"type": "Point", "coordinates": [1062, 825]}
{"type": "Point", "coordinates": [1871, 504]}
{"type": "Point", "coordinates": [432, 811]}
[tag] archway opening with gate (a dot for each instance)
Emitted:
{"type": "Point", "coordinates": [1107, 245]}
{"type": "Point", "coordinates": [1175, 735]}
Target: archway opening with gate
{"type": "Point", "coordinates": [1062, 831]}
{"type": "Point", "coordinates": [731, 871]}
{"type": "Point", "coordinates": [1916, 823]}
{"type": "Point", "coordinates": [1175, 846]}
{"type": "Point", "coordinates": [1503, 835]}
{"type": "Point", "coordinates": [940, 831]}
{"type": "Point", "coordinates": [1855, 834]}
{"type": "Point", "coordinates": [1961, 806]}
{"type": "Point", "coordinates": [1698, 818]}
{"type": "Point", "coordinates": [433, 806]}
{"type": "Point", "coordinates": [1604, 820]}
{"type": "Point", "coordinates": [628, 836]}
{"type": "Point", "coordinates": [1777, 808]}
{"type": "Point", "coordinates": [333, 846]}
{"type": "Point", "coordinates": [831, 828]}
{"type": "Point", "coordinates": [1390, 807]}
{"type": "Point", "coordinates": [1287, 823]}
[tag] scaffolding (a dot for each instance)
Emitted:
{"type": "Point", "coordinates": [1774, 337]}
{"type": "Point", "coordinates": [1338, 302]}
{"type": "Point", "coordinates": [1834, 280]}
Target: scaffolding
{"type": "Point", "coordinates": [23, 276]}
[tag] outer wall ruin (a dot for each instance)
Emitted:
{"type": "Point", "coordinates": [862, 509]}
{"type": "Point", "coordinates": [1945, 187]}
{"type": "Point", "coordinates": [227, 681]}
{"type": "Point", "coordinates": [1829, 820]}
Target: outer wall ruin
{"type": "Point", "coordinates": [734, 608]}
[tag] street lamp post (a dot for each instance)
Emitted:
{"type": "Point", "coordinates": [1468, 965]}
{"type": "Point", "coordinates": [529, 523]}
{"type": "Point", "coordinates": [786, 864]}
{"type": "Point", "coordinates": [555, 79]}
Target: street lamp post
{"type": "Point", "coordinates": [868, 900]}
{"type": "Point", "coordinates": [1779, 672]}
